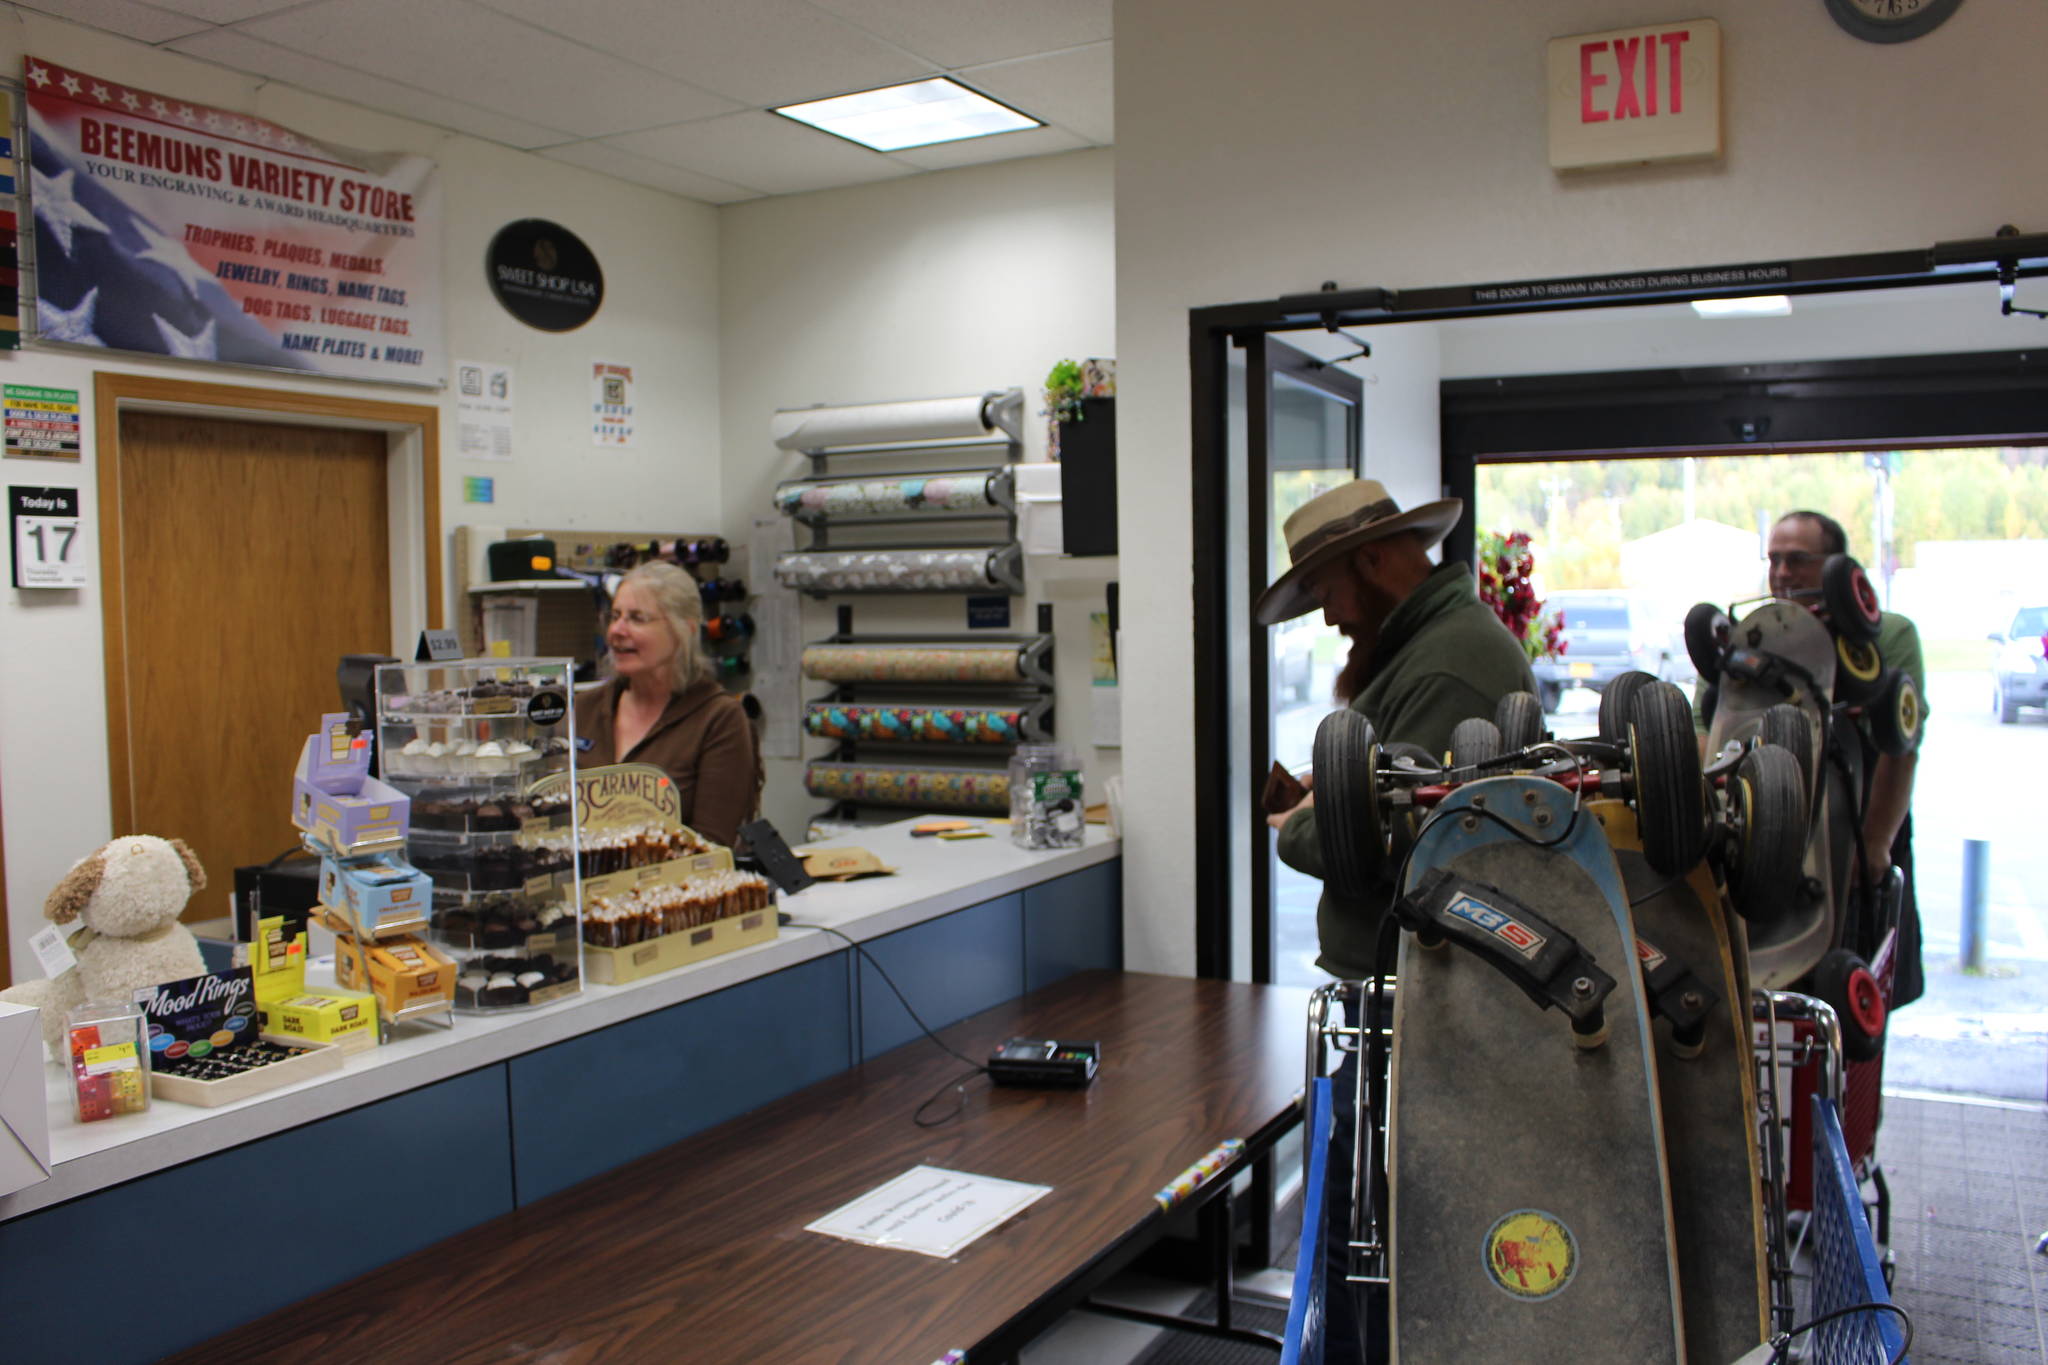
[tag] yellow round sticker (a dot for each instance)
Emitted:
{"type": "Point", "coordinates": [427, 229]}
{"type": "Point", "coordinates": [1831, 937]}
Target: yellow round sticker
{"type": "Point", "coordinates": [1531, 1254]}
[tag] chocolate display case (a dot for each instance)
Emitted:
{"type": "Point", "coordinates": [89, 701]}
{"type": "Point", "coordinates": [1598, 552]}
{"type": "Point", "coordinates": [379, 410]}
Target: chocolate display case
{"type": "Point", "coordinates": [468, 742]}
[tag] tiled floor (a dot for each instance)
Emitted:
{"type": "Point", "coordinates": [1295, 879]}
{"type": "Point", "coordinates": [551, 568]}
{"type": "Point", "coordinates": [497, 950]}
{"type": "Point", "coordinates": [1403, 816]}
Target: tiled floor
{"type": "Point", "coordinates": [1969, 1192]}
{"type": "Point", "coordinates": [1969, 1185]}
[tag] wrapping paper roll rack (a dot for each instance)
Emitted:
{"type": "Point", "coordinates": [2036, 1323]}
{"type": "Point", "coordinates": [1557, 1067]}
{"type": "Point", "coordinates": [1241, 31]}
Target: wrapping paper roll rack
{"type": "Point", "coordinates": [899, 701]}
{"type": "Point", "coordinates": [978, 499]}
{"type": "Point", "coordinates": [916, 721]}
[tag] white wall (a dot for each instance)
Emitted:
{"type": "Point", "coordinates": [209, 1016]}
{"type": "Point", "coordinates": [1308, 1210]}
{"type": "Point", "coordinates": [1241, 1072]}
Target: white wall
{"type": "Point", "coordinates": [1261, 154]}
{"type": "Point", "coordinates": [940, 284]}
{"type": "Point", "coordinates": [660, 314]}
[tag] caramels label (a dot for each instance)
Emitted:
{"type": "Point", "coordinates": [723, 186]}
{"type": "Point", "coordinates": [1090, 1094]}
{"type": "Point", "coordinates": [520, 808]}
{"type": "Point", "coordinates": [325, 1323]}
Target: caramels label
{"type": "Point", "coordinates": [619, 795]}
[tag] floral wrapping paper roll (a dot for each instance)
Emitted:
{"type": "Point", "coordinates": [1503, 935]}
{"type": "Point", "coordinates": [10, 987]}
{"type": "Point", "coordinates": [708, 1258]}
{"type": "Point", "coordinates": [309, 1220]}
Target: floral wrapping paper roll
{"type": "Point", "coordinates": [969, 788]}
{"type": "Point", "coordinates": [937, 493]}
{"type": "Point", "coordinates": [913, 663]}
{"type": "Point", "coordinates": [916, 724]}
{"type": "Point", "coordinates": [899, 569]}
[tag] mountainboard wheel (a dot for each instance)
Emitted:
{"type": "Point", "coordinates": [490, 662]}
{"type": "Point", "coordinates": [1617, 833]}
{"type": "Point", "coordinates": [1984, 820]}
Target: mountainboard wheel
{"type": "Point", "coordinates": [1707, 632]}
{"type": "Point", "coordinates": [1769, 807]}
{"type": "Point", "coordinates": [1844, 981]}
{"type": "Point", "coordinates": [1790, 729]}
{"type": "Point", "coordinates": [1851, 601]}
{"type": "Point", "coordinates": [1615, 699]}
{"type": "Point", "coordinates": [1347, 814]}
{"type": "Point", "coordinates": [1520, 718]}
{"type": "Point", "coordinates": [1896, 714]}
{"type": "Point", "coordinates": [1671, 802]}
{"type": "Point", "coordinates": [1475, 740]}
{"type": "Point", "coordinates": [1859, 671]}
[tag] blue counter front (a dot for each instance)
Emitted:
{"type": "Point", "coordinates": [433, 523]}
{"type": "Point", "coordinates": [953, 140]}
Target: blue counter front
{"type": "Point", "coordinates": [196, 1220]}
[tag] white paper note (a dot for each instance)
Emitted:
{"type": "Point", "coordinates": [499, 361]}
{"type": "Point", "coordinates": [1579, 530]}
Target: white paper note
{"type": "Point", "coordinates": [483, 406]}
{"type": "Point", "coordinates": [929, 1210]}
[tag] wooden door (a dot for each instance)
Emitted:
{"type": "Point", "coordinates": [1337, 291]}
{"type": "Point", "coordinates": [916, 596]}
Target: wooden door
{"type": "Point", "coordinates": [253, 555]}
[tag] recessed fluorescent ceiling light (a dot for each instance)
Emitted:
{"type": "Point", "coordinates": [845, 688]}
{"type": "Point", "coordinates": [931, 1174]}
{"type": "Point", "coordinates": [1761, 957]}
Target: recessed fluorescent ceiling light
{"type": "Point", "coordinates": [1762, 306]}
{"type": "Point", "coordinates": [914, 115]}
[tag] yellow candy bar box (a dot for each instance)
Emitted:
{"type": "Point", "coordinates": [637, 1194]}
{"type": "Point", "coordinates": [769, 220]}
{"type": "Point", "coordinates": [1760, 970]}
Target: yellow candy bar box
{"type": "Point", "coordinates": [347, 1019]}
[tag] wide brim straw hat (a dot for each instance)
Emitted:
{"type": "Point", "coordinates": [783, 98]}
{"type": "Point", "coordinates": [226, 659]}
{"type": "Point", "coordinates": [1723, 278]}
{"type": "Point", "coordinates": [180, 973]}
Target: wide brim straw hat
{"type": "Point", "coordinates": [1333, 524]}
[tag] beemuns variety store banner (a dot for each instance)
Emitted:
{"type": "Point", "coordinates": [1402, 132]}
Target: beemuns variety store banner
{"type": "Point", "coordinates": [175, 229]}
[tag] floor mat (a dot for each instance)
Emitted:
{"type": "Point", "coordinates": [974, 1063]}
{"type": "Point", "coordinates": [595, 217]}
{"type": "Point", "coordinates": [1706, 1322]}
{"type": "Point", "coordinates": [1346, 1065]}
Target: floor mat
{"type": "Point", "coordinates": [1186, 1348]}
{"type": "Point", "coordinates": [1969, 1187]}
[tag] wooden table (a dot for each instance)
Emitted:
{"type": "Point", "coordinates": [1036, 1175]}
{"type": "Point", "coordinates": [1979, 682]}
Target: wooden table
{"type": "Point", "coordinates": [698, 1253]}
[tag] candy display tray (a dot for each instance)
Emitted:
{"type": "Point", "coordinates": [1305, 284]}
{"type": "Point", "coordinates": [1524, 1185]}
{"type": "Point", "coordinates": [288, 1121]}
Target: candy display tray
{"type": "Point", "coordinates": [318, 1060]}
{"type": "Point", "coordinates": [634, 961]}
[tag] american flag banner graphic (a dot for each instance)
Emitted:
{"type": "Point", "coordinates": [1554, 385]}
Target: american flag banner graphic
{"type": "Point", "coordinates": [175, 229]}
{"type": "Point", "coordinates": [10, 271]}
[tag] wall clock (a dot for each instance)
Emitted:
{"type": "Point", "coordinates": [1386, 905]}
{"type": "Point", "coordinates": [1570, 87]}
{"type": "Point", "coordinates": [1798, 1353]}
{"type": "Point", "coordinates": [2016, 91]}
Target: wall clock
{"type": "Point", "coordinates": [1891, 21]}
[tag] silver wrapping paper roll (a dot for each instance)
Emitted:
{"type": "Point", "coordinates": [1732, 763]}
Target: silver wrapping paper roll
{"type": "Point", "coordinates": [888, 570]}
{"type": "Point", "coordinates": [872, 424]}
{"type": "Point", "coordinates": [901, 495]}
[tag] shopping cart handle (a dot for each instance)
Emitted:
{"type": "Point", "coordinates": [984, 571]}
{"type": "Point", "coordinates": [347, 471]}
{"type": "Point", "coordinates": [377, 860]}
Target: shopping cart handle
{"type": "Point", "coordinates": [1543, 960]}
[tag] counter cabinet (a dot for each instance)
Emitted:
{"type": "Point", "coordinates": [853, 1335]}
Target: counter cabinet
{"type": "Point", "coordinates": [231, 1235]}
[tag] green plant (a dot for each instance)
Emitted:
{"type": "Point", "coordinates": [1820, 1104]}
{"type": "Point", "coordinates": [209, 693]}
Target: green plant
{"type": "Point", "coordinates": [1063, 391]}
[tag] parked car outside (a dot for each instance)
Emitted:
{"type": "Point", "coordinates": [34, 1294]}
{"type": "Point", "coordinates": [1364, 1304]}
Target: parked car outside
{"type": "Point", "coordinates": [1604, 636]}
{"type": "Point", "coordinates": [2019, 666]}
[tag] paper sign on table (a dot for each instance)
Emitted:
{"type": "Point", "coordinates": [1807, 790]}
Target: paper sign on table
{"type": "Point", "coordinates": [929, 1210]}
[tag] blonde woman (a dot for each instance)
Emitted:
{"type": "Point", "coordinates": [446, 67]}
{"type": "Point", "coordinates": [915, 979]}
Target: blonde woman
{"type": "Point", "coordinates": [661, 705]}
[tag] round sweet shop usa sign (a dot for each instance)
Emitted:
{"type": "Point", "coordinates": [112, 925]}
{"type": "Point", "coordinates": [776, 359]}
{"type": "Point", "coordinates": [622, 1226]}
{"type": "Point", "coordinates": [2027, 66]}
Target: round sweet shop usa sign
{"type": "Point", "coordinates": [544, 275]}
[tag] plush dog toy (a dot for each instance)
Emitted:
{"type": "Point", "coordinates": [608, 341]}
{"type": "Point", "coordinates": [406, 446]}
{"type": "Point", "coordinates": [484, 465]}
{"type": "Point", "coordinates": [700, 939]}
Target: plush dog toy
{"type": "Point", "coordinates": [129, 894]}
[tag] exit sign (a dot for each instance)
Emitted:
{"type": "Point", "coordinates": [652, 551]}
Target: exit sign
{"type": "Point", "coordinates": [1636, 95]}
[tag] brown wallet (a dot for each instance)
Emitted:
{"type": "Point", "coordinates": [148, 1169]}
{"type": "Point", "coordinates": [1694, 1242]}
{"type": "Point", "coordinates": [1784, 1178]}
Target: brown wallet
{"type": "Point", "coordinates": [1282, 792]}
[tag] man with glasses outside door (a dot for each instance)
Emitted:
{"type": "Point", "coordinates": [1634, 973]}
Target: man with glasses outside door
{"type": "Point", "coordinates": [1798, 548]}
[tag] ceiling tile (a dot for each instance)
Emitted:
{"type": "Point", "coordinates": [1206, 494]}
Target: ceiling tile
{"type": "Point", "coordinates": [596, 156]}
{"type": "Point", "coordinates": [1072, 89]}
{"type": "Point", "coordinates": [762, 151]}
{"type": "Point", "coordinates": [145, 23]}
{"type": "Point", "coordinates": [233, 49]}
{"type": "Point", "coordinates": [977, 151]}
{"type": "Point", "coordinates": [225, 11]}
{"type": "Point", "coordinates": [758, 52]}
{"type": "Point", "coordinates": [481, 57]}
{"type": "Point", "coordinates": [964, 32]}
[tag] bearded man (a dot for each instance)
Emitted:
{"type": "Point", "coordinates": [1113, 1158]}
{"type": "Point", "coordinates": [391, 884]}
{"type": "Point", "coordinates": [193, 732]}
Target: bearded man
{"type": "Point", "coordinates": [1426, 653]}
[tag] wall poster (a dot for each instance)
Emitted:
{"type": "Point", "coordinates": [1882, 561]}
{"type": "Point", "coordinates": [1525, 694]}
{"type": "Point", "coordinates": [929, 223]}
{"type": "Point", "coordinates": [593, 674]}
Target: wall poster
{"type": "Point", "coordinates": [173, 229]}
{"type": "Point", "coordinates": [41, 422]}
{"type": "Point", "coordinates": [483, 409]}
{"type": "Point", "coordinates": [611, 404]}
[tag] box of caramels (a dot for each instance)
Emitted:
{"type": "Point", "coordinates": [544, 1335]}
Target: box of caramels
{"type": "Point", "coordinates": [404, 973]}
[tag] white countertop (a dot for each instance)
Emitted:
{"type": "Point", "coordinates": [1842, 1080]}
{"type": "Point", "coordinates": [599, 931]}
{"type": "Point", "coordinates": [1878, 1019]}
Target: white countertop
{"type": "Point", "coordinates": [934, 877]}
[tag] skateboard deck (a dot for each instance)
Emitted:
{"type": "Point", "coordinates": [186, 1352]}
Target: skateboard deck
{"type": "Point", "coordinates": [1785, 951]}
{"type": "Point", "coordinates": [1708, 1102]}
{"type": "Point", "coordinates": [1529, 1205]}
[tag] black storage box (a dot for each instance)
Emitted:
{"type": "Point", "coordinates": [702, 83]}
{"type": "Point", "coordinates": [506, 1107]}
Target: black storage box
{"type": "Point", "coordinates": [1088, 479]}
{"type": "Point", "coordinates": [512, 561]}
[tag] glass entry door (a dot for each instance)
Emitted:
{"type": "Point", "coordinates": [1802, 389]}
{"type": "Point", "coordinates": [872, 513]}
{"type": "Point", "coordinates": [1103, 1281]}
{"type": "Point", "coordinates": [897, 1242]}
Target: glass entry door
{"type": "Point", "coordinates": [1304, 435]}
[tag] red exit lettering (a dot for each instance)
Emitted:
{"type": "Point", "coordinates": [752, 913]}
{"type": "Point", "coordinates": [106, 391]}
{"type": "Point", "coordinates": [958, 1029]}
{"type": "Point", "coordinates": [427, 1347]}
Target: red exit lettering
{"type": "Point", "coordinates": [1634, 63]}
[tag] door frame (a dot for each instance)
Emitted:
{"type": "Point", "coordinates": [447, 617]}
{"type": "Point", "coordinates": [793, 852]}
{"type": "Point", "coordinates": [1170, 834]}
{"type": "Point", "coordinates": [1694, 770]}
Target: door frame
{"type": "Point", "coordinates": [1212, 329]}
{"type": "Point", "coordinates": [1267, 358]}
{"type": "Point", "coordinates": [412, 502]}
